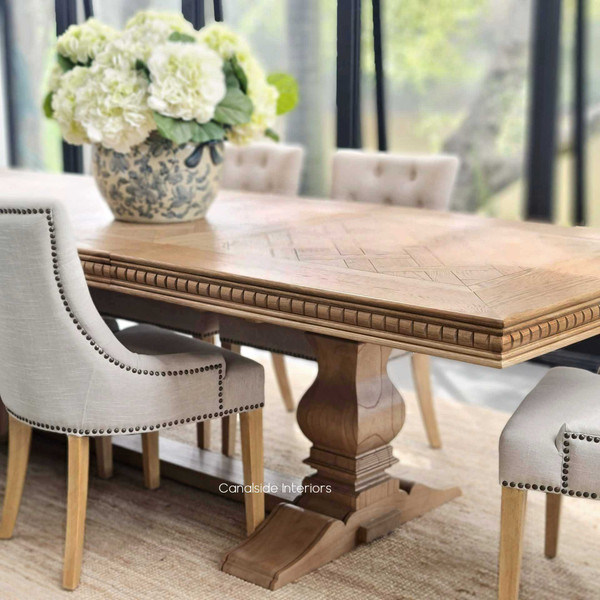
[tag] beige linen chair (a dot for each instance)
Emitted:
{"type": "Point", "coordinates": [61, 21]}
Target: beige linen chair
{"type": "Point", "coordinates": [551, 444]}
{"type": "Point", "coordinates": [378, 177]}
{"type": "Point", "coordinates": [262, 167]}
{"type": "Point", "coordinates": [62, 369]}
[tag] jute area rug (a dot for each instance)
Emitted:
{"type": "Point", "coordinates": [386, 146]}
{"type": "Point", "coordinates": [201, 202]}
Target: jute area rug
{"type": "Point", "coordinates": [167, 544]}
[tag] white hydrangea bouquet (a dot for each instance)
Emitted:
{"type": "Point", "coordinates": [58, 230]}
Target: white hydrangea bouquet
{"type": "Point", "coordinates": [151, 98]}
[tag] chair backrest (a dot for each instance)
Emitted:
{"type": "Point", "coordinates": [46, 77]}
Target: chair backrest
{"type": "Point", "coordinates": [382, 178]}
{"type": "Point", "coordinates": [53, 343]}
{"type": "Point", "coordinates": [264, 168]}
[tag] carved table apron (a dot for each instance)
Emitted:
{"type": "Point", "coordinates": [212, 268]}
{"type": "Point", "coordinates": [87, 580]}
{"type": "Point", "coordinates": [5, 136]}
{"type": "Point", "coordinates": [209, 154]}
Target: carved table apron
{"type": "Point", "coordinates": [359, 279]}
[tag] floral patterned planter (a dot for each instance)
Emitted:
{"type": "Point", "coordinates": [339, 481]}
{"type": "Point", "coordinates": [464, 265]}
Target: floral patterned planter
{"type": "Point", "coordinates": [159, 182]}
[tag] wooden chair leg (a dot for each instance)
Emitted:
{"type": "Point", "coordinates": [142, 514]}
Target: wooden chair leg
{"type": "Point", "coordinates": [19, 441]}
{"type": "Point", "coordinates": [251, 426]}
{"type": "Point", "coordinates": [151, 460]}
{"type": "Point", "coordinates": [203, 435]}
{"type": "Point", "coordinates": [512, 522]}
{"type": "Point", "coordinates": [3, 423]}
{"type": "Point", "coordinates": [283, 380]}
{"type": "Point", "coordinates": [228, 427]}
{"type": "Point", "coordinates": [79, 462]}
{"type": "Point", "coordinates": [422, 379]}
{"type": "Point", "coordinates": [553, 503]}
{"type": "Point", "coordinates": [104, 457]}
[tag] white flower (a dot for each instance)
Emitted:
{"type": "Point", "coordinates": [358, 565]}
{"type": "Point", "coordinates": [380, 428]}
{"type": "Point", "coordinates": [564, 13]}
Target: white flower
{"type": "Point", "coordinates": [64, 103]}
{"type": "Point", "coordinates": [149, 29]}
{"type": "Point", "coordinates": [187, 81]}
{"type": "Point", "coordinates": [148, 18]}
{"type": "Point", "coordinates": [54, 77]}
{"type": "Point", "coordinates": [81, 43]}
{"type": "Point", "coordinates": [224, 41]}
{"type": "Point", "coordinates": [112, 108]}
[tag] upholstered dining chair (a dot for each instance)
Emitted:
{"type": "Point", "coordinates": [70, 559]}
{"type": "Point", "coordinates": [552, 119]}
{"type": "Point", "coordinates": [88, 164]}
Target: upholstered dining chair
{"type": "Point", "coordinates": [378, 177]}
{"type": "Point", "coordinates": [550, 444]}
{"type": "Point", "coordinates": [62, 369]}
{"type": "Point", "coordinates": [261, 167]}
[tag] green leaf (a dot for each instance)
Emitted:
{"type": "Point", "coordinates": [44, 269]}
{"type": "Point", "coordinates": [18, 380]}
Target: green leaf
{"type": "Point", "coordinates": [235, 109]}
{"type": "Point", "coordinates": [48, 105]}
{"type": "Point", "coordinates": [176, 36]}
{"type": "Point", "coordinates": [140, 65]}
{"type": "Point", "coordinates": [240, 74]}
{"type": "Point", "coordinates": [180, 131]}
{"type": "Point", "coordinates": [176, 130]}
{"type": "Point", "coordinates": [272, 134]}
{"type": "Point", "coordinates": [65, 63]}
{"type": "Point", "coordinates": [207, 132]}
{"type": "Point", "coordinates": [287, 87]}
{"type": "Point", "coordinates": [231, 80]}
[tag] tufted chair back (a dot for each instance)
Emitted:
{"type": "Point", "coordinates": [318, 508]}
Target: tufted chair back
{"type": "Point", "coordinates": [60, 365]}
{"type": "Point", "coordinates": [264, 168]}
{"type": "Point", "coordinates": [379, 177]}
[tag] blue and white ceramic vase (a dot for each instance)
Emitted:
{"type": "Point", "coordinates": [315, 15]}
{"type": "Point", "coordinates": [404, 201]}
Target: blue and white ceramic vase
{"type": "Point", "coordinates": [159, 182]}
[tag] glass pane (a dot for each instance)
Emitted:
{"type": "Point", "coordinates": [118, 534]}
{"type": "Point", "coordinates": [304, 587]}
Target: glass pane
{"type": "Point", "coordinates": [456, 77]}
{"type": "Point", "coordinates": [117, 12]}
{"type": "Point", "coordinates": [299, 38]}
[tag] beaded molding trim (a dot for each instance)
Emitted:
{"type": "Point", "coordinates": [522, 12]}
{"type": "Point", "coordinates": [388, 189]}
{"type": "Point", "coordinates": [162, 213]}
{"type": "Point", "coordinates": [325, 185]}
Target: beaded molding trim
{"type": "Point", "coordinates": [390, 322]}
{"type": "Point", "coordinates": [564, 489]}
{"type": "Point", "coordinates": [136, 428]}
{"type": "Point", "coordinates": [274, 350]}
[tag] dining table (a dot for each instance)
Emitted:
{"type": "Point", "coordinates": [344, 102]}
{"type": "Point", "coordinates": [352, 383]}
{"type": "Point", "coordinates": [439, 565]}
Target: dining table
{"type": "Point", "coordinates": [360, 279]}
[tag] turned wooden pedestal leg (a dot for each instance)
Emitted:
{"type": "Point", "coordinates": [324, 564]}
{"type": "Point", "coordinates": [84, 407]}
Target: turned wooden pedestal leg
{"type": "Point", "coordinates": [350, 413]}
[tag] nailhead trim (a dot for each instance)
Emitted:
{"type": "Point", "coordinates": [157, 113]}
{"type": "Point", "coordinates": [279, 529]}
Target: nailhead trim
{"type": "Point", "coordinates": [136, 428]}
{"type": "Point", "coordinates": [99, 350]}
{"type": "Point", "coordinates": [274, 350]}
{"type": "Point", "coordinates": [564, 489]}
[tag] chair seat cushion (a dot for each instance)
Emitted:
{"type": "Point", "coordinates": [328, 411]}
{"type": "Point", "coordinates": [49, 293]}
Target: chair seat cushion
{"type": "Point", "coordinates": [274, 338]}
{"type": "Point", "coordinates": [184, 319]}
{"type": "Point", "coordinates": [552, 441]}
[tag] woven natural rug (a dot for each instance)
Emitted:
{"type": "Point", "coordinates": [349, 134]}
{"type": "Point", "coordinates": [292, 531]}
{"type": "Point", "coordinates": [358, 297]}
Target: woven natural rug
{"type": "Point", "coordinates": [167, 544]}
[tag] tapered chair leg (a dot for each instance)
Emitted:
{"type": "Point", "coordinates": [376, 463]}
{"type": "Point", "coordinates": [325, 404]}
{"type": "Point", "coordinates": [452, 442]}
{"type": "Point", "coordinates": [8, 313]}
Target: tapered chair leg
{"type": "Point", "coordinates": [104, 457]}
{"type": "Point", "coordinates": [422, 379]}
{"type": "Point", "coordinates": [3, 423]}
{"type": "Point", "coordinates": [151, 460]}
{"type": "Point", "coordinates": [251, 426]}
{"type": "Point", "coordinates": [79, 461]}
{"type": "Point", "coordinates": [228, 428]}
{"type": "Point", "coordinates": [203, 435]}
{"type": "Point", "coordinates": [283, 380]}
{"type": "Point", "coordinates": [553, 503]}
{"type": "Point", "coordinates": [19, 441]}
{"type": "Point", "coordinates": [512, 522]}
{"type": "Point", "coordinates": [228, 424]}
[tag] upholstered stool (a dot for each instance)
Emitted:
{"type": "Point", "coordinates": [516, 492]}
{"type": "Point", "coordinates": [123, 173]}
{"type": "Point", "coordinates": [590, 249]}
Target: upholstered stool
{"type": "Point", "coordinates": [376, 177]}
{"type": "Point", "coordinates": [62, 369]}
{"type": "Point", "coordinates": [551, 444]}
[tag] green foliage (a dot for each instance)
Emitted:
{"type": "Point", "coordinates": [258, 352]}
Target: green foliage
{"type": "Point", "coordinates": [235, 109]}
{"type": "Point", "coordinates": [176, 36]}
{"type": "Point", "coordinates": [66, 64]}
{"type": "Point", "coordinates": [287, 86]}
{"type": "Point", "coordinates": [47, 105]}
{"type": "Point", "coordinates": [272, 134]}
{"type": "Point", "coordinates": [140, 65]}
{"type": "Point", "coordinates": [425, 40]}
{"type": "Point", "coordinates": [182, 132]}
{"type": "Point", "coordinates": [240, 74]}
{"type": "Point", "coordinates": [235, 77]}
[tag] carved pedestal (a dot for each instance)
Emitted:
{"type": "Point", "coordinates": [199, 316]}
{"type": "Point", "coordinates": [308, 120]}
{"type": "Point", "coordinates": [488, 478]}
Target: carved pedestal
{"type": "Point", "coordinates": [351, 413]}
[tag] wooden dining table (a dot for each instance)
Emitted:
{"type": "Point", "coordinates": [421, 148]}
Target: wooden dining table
{"type": "Point", "coordinates": [360, 280]}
